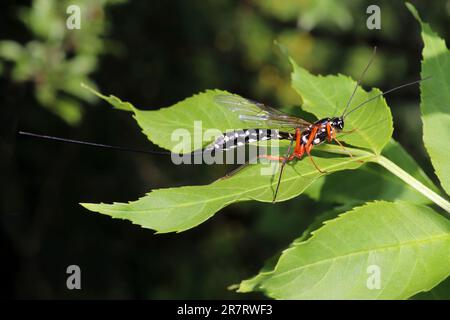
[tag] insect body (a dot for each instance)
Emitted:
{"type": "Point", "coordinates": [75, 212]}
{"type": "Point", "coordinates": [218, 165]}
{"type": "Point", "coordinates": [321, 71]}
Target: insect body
{"type": "Point", "coordinates": [317, 133]}
{"type": "Point", "coordinates": [310, 135]}
{"type": "Point", "coordinates": [233, 139]}
{"type": "Point", "coordinates": [305, 135]}
{"type": "Point", "coordinates": [320, 131]}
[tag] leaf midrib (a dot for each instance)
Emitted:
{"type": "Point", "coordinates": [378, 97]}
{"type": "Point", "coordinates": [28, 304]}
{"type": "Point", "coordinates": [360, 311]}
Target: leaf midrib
{"type": "Point", "coordinates": [365, 251]}
{"type": "Point", "coordinates": [187, 204]}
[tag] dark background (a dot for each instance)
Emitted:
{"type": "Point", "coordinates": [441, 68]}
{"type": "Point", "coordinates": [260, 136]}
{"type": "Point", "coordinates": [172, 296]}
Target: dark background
{"type": "Point", "coordinates": [153, 54]}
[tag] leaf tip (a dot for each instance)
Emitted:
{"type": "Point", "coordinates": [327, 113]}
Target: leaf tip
{"type": "Point", "coordinates": [293, 63]}
{"type": "Point", "coordinates": [413, 11]}
{"type": "Point", "coordinates": [233, 287]}
{"type": "Point", "coordinates": [92, 90]}
{"type": "Point", "coordinates": [111, 99]}
{"type": "Point", "coordinates": [89, 206]}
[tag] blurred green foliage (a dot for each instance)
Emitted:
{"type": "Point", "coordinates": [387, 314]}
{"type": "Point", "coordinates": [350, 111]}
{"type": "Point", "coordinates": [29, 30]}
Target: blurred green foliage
{"type": "Point", "coordinates": [57, 59]}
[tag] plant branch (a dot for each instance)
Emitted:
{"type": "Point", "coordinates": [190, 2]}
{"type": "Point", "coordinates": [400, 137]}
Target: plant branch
{"type": "Point", "coordinates": [397, 171]}
{"type": "Point", "coordinates": [406, 177]}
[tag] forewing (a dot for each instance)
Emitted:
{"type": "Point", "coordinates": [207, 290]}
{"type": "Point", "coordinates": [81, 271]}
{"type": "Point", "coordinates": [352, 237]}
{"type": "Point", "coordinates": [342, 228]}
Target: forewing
{"type": "Point", "coordinates": [259, 114]}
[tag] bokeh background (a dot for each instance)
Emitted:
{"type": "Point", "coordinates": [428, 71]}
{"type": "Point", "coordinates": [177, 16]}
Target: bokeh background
{"type": "Point", "coordinates": [153, 54]}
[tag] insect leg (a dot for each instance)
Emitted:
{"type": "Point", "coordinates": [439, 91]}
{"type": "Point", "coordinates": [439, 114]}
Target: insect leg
{"type": "Point", "coordinates": [248, 136]}
{"type": "Point", "coordinates": [263, 156]}
{"type": "Point", "coordinates": [348, 131]}
{"type": "Point", "coordinates": [286, 158]}
{"type": "Point", "coordinates": [343, 148]}
{"type": "Point", "coordinates": [329, 135]}
{"type": "Point", "coordinates": [298, 143]}
{"type": "Point", "coordinates": [308, 151]}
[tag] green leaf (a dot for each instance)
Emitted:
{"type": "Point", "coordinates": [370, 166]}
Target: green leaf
{"type": "Point", "coordinates": [395, 152]}
{"type": "Point", "coordinates": [113, 100]}
{"type": "Point", "coordinates": [409, 244]}
{"type": "Point", "coordinates": [352, 187]}
{"type": "Point", "coordinates": [435, 100]}
{"type": "Point", "coordinates": [440, 292]}
{"type": "Point", "coordinates": [253, 283]}
{"type": "Point", "coordinates": [195, 116]}
{"type": "Point", "coordinates": [11, 50]}
{"type": "Point", "coordinates": [179, 209]}
{"type": "Point", "coordinates": [328, 96]}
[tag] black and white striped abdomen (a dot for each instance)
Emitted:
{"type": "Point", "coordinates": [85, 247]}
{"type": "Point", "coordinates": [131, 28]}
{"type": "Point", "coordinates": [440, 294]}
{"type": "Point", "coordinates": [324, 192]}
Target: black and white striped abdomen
{"type": "Point", "coordinates": [233, 139]}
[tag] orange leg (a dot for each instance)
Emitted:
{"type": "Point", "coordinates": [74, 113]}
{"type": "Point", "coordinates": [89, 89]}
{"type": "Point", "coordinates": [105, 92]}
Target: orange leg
{"type": "Point", "coordinates": [309, 145]}
{"type": "Point", "coordinates": [300, 152]}
{"type": "Point", "coordinates": [285, 159]}
{"type": "Point", "coordinates": [263, 156]}
{"type": "Point", "coordinates": [308, 151]}
{"type": "Point", "coordinates": [343, 148]}
{"type": "Point", "coordinates": [298, 136]}
{"type": "Point", "coordinates": [349, 131]}
{"type": "Point", "coordinates": [329, 136]}
{"type": "Point", "coordinates": [276, 158]}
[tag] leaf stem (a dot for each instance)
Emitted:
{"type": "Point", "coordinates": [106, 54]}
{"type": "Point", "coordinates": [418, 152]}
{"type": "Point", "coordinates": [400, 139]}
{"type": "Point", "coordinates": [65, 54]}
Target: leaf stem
{"type": "Point", "coordinates": [396, 170]}
{"type": "Point", "coordinates": [406, 177]}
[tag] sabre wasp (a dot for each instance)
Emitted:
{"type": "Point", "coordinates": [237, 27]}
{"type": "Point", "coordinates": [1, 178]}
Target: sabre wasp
{"type": "Point", "coordinates": [305, 135]}
{"type": "Point", "coordinates": [302, 135]}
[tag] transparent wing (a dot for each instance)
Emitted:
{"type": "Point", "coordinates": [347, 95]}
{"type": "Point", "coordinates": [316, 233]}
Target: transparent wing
{"type": "Point", "coordinates": [259, 114]}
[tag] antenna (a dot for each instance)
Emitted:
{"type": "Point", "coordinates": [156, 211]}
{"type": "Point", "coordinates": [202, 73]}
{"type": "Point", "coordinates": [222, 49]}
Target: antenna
{"type": "Point", "coordinates": [91, 144]}
{"type": "Point", "coordinates": [360, 79]}
{"type": "Point", "coordinates": [384, 93]}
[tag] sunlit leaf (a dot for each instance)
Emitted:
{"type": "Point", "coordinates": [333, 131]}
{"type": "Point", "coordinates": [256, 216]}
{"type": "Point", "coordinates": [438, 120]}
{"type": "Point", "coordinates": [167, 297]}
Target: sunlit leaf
{"type": "Point", "coordinates": [179, 209]}
{"type": "Point", "coordinates": [408, 245]}
{"type": "Point", "coordinates": [194, 115]}
{"type": "Point", "coordinates": [435, 100]}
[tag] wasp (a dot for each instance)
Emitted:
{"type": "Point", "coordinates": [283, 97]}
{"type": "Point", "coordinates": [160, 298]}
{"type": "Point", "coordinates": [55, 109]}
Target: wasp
{"type": "Point", "coordinates": [303, 135]}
